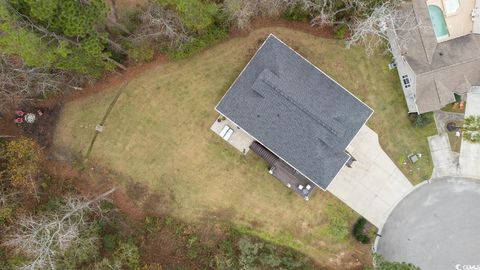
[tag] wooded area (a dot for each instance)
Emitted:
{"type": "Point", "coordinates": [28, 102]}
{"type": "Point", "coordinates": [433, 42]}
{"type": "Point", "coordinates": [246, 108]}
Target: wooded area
{"type": "Point", "coordinates": [51, 47]}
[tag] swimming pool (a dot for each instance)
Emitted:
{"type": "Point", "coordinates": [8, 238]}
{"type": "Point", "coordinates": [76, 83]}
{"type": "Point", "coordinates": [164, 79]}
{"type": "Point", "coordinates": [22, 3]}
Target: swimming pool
{"type": "Point", "coordinates": [438, 22]}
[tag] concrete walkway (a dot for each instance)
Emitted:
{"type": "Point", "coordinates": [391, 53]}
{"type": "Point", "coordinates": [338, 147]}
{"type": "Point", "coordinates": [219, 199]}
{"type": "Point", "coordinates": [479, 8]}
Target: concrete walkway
{"type": "Point", "coordinates": [374, 184]}
{"type": "Point", "coordinates": [445, 161]}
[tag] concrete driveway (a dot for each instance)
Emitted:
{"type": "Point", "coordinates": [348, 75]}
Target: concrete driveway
{"type": "Point", "coordinates": [436, 227]}
{"type": "Point", "coordinates": [374, 184]}
{"type": "Point", "coordinates": [445, 161]}
{"type": "Point", "coordinates": [470, 152]}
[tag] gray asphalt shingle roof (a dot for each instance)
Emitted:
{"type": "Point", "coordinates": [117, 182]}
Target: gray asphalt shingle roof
{"type": "Point", "coordinates": [295, 110]}
{"type": "Point", "coordinates": [441, 68]}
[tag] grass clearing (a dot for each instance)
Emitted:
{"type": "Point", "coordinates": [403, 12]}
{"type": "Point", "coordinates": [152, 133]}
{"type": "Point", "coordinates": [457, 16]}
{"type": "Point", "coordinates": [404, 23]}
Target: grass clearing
{"type": "Point", "coordinates": [158, 135]}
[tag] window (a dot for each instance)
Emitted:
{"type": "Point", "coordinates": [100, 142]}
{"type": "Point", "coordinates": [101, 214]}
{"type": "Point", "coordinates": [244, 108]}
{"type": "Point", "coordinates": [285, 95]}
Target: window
{"type": "Point", "coordinates": [406, 81]}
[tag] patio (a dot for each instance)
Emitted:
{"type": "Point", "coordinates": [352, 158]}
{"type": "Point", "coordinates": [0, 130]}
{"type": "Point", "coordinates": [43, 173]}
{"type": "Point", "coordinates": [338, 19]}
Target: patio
{"type": "Point", "coordinates": [285, 173]}
{"type": "Point", "coordinates": [233, 134]}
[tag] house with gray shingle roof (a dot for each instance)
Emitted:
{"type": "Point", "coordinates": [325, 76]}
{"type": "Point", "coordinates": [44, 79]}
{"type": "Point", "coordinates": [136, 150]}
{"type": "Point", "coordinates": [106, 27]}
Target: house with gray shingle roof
{"type": "Point", "coordinates": [442, 56]}
{"type": "Point", "coordinates": [293, 115]}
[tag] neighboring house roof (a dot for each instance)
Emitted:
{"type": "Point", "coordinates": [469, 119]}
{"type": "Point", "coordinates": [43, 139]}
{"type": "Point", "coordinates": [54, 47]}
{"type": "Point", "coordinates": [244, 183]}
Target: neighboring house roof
{"type": "Point", "coordinates": [441, 69]}
{"type": "Point", "coordinates": [295, 110]}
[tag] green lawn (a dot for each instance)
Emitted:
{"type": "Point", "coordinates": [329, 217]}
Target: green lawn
{"type": "Point", "coordinates": [158, 135]}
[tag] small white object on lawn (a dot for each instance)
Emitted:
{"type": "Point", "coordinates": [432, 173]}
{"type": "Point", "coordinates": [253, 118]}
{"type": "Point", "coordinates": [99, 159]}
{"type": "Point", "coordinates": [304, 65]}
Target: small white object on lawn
{"type": "Point", "coordinates": [99, 128]}
{"type": "Point", "coordinates": [30, 118]}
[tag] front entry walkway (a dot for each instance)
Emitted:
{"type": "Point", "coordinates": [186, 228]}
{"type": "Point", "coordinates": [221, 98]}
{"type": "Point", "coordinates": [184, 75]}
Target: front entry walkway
{"type": "Point", "coordinates": [445, 161]}
{"type": "Point", "coordinates": [374, 184]}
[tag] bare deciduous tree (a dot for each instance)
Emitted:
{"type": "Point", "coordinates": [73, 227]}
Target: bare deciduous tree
{"type": "Point", "coordinates": [46, 237]}
{"type": "Point", "coordinates": [19, 82]}
{"type": "Point", "coordinates": [387, 22]}
{"type": "Point", "coordinates": [159, 25]}
{"type": "Point", "coordinates": [324, 12]}
{"type": "Point", "coordinates": [241, 12]}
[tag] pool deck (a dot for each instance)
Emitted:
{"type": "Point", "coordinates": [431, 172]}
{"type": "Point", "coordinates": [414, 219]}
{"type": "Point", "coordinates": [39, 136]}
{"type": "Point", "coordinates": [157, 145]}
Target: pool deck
{"type": "Point", "coordinates": [459, 23]}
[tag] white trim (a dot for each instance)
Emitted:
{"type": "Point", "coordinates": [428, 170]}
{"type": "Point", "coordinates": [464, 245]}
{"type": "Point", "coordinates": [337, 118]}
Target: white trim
{"type": "Point", "coordinates": [272, 35]}
{"type": "Point", "coordinates": [321, 71]}
{"type": "Point", "coordinates": [265, 41]}
{"type": "Point", "coordinates": [333, 179]}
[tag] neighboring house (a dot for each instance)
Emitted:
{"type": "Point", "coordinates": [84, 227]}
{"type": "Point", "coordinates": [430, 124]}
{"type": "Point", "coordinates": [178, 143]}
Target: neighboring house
{"type": "Point", "coordinates": [310, 130]}
{"type": "Point", "coordinates": [442, 56]}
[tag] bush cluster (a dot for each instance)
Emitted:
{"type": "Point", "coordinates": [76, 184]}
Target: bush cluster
{"type": "Point", "coordinates": [212, 35]}
{"type": "Point", "coordinates": [420, 120]}
{"type": "Point", "coordinates": [358, 231]}
{"type": "Point", "coordinates": [250, 253]}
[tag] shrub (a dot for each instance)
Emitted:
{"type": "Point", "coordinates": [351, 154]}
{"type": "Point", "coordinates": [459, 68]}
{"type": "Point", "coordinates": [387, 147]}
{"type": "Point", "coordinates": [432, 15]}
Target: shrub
{"type": "Point", "coordinates": [5, 215]}
{"type": "Point", "coordinates": [296, 13]}
{"type": "Point", "coordinates": [214, 34]}
{"type": "Point", "coordinates": [422, 120]}
{"type": "Point", "coordinates": [382, 264]}
{"type": "Point", "coordinates": [85, 249]}
{"type": "Point", "coordinates": [239, 13]}
{"type": "Point", "coordinates": [127, 255]}
{"type": "Point", "coordinates": [341, 31]}
{"type": "Point", "coordinates": [259, 255]}
{"type": "Point", "coordinates": [152, 224]}
{"type": "Point", "coordinates": [110, 242]}
{"type": "Point", "coordinates": [358, 232]}
{"type": "Point", "coordinates": [23, 158]}
{"type": "Point", "coordinates": [141, 53]}
{"type": "Point", "coordinates": [192, 246]}
{"type": "Point", "coordinates": [196, 15]}
{"type": "Point", "coordinates": [248, 252]}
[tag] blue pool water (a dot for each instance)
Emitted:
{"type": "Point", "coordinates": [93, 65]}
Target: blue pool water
{"type": "Point", "coordinates": [438, 21]}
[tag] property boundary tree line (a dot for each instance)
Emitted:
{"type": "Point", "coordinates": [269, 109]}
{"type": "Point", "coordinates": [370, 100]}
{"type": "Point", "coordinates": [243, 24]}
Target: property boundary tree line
{"type": "Point", "coordinates": [53, 46]}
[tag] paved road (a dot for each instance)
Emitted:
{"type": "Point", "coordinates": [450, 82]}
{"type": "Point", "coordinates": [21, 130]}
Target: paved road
{"type": "Point", "coordinates": [436, 227]}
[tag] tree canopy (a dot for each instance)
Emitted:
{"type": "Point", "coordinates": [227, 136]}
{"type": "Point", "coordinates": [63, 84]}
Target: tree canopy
{"type": "Point", "coordinates": [63, 32]}
{"type": "Point", "coordinates": [195, 14]}
{"type": "Point", "coordinates": [471, 129]}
